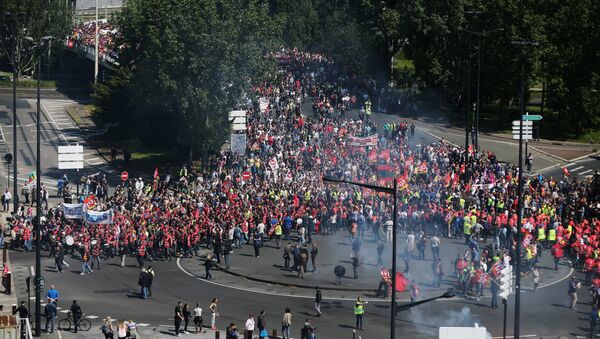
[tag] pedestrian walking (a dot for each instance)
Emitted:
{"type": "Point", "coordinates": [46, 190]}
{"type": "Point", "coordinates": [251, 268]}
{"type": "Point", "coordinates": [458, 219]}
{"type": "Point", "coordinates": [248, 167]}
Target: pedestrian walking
{"type": "Point", "coordinates": [107, 328]}
{"type": "Point", "coordinates": [355, 266]}
{"type": "Point", "coordinates": [121, 329]}
{"type": "Point", "coordinates": [250, 325]}
{"type": "Point", "coordinates": [318, 300]}
{"type": "Point", "coordinates": [50, 313]}
{"type": "Point", "coordinates": [85, 263]}
{"type": "Point", "coordinates": [536, 278]}
{"type": "Point", "coordinates": [314, 251]}
{"type": "Point", "coordinates": [262, 325]}
{"type": "Point", "coordinates": [359, 311]}
{"type": "Point", "coordinates": [132, 328]}
{"type": "Point", "coordinates": [435, 247]}
{"type": "Point", "coordinates": [379, 252]}
{"type": "Point", "coordinates": [494, 289]}
{"type": "Point", "coordinates": [76, 312]}
{"type": "Point", "coordinates": [414, 291]}
{"type": "Point", "coordinates": [529, 162]}
{"type": "Point", "coordinates": [209, 262]}
{"type": "Point", "coordinates": [574, 285]}
{"type": "Point", "coordinates": [143, 283]}
{"type": "Point", "coordinates": [286, 323]}
{"type": "Point", "coordinates": [187, 314]}
{"type": "Point", "coordinates": [178, 318]}
{"type": "Point", "coordinates": [198, 318]}
{"type": "Point", "coordinates": [308, 329]}
{"type": "Point", "coordinates": [150, 271]}
{"type": "Point", "coordinates": [213, 313]}
{"type": "Point", "coordinates": [257, 243]}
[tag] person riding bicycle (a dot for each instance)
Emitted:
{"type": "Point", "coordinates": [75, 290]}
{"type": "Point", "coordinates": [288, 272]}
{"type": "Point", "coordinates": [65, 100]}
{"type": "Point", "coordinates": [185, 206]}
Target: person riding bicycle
{"type": "Point", "coordinates": [76, 312]}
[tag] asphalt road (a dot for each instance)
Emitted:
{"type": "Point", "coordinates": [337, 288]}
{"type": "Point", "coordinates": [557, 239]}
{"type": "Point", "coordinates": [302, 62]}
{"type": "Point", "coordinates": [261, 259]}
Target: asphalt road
{"type": "Point", "coordinates": [57, 129]}
{"type": "Point", "coordinates": [112, 291]}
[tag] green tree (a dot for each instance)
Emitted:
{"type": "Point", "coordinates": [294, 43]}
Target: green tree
{"type": "Point", "coordinates": [571, 66]}
{"type": "Point", "coordinates": [190, 62]}
{"type": "Point", "coordinates": [29, 19]}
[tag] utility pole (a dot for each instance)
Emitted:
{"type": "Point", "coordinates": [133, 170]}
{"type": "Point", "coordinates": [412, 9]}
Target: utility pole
{"type": "Point", "coordinates": [520, 195]}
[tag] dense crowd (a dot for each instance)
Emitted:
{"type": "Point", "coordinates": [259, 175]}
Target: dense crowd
{"type": "Point", "coordinates": [301, 135]}
{"type": "Point", "coordinates": [84, 34]}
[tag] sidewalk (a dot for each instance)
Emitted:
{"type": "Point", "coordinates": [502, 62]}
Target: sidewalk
{"type": "Point", "coordinates": [146, 333]}
{"type": "Point", "coordinates": [267, 275]}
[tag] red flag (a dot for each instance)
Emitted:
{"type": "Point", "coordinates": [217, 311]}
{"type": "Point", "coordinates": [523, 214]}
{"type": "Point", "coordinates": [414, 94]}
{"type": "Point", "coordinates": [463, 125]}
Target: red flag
{"type": "Point", "coordinates": [372, 156]}
{"type": "Point", "coordinates": [401, 282]}
{"type": "Point", "coordinates": [566, 172]}
{"type": "Point", "coordinates": [156, 173]}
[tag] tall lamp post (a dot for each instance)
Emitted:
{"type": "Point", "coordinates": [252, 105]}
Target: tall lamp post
{"type": "Point", "coordinates": [394, 192]}
{"type": "Point", "coordinates": [15, 60]}
{"type": "Point", "coordinates": [522, 44]}
{"type": "Point", "coordinates": [38, 229]}
{"type": "Point", "coordinates": [477, 105]}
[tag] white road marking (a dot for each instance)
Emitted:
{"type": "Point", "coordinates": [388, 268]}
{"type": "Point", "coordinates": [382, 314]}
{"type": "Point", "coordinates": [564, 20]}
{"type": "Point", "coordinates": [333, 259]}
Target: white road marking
{"type": "Point", "coordinates": [571, 164]}
{"type": "Point", "coordinates": [143, 325]}
{"type": "Point", "coordinates": [585, 172]}
{"type": "Point", "coordinates": [92, 317]}
{"type": "Point", "coordinates": [576, 169]}
{"type": "Point", "coordinates": [64, 311]}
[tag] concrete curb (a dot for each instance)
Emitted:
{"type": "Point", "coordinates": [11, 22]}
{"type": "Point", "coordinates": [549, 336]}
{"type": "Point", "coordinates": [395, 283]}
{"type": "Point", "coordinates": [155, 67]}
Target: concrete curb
{"type": "Point", "coordinates": [548, 154]}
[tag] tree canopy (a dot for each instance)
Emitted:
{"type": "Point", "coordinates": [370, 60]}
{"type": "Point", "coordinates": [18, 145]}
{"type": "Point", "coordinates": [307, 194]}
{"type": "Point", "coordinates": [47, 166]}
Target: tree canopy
{"type": "Point", "coordinates": [188, 64]}
{"type": "Point", "coordinates": [22, 20]}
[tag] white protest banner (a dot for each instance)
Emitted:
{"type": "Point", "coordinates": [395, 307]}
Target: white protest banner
{"type": "Point", "coordinates": [104, 217]}
{"type": "Point", "coordinates": [73, 211]}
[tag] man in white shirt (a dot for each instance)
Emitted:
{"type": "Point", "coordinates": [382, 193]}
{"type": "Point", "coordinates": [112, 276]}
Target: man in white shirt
{"type": "Point", "coordinates": [6, 200]}
{"type": "Point", "coordinates": [250, 323]}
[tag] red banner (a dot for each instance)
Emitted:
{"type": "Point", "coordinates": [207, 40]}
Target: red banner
{"type": "Point", "coordinates": [363, 142]}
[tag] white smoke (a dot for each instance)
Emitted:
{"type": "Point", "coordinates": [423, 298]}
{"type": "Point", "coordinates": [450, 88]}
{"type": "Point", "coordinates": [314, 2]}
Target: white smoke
{"type": "Point", "coordinates": [429, 324]}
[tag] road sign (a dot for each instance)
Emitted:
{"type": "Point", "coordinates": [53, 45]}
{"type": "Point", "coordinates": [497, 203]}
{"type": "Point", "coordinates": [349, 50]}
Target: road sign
{"type": "Point", "coordinates": [533, 117]}
{"type": "Point", "coordinates": [124, 175]}
{"type": "Point", "coordinates": [246, 175]}
{"type": "Point", "coordinates": [525, 123]}
{"type": "Point", "coordinates": [525, 136]}
{"type": "Point", "coordinates": [70, 157]}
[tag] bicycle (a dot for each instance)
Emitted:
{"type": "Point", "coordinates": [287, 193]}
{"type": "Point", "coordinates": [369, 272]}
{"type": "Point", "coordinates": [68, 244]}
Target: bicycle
{"type": "Point", "coordinates": [66, 323]}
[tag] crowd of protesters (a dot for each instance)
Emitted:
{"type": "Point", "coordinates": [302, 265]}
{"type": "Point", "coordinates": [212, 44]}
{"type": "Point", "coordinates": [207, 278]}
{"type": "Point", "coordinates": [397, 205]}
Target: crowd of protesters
{"type": "Point", "coordinates": [444, 191]}
{"type": "Point", "coordinates": [84, 34]}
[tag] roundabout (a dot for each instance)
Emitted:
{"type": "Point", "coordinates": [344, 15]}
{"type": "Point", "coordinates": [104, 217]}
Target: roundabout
{"type": "Point", "coordinates": [267, 274]}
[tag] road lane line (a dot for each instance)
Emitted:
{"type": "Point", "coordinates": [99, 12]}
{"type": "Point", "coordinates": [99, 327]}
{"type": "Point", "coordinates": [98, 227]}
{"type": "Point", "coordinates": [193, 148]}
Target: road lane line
{"type": "Point", "coordinates": [576, 169]}
{"type": "Point", "coordinates": [585, 172]}
{"type": "Point", "coordinates": [55, 124]}
{"type": "Point", "coordinates": [571, 164]}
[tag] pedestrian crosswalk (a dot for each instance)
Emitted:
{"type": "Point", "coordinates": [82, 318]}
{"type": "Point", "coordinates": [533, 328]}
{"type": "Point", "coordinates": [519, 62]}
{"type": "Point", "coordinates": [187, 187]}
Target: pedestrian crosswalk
{"type": "Point", "coordinates": [68, 130]}
{"type": "Point", "coordinates": [579, 169]}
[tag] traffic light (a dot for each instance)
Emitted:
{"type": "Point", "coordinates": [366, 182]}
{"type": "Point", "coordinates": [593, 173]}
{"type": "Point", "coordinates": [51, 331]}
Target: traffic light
{"type": "Point", "coordinates": [505, 281]}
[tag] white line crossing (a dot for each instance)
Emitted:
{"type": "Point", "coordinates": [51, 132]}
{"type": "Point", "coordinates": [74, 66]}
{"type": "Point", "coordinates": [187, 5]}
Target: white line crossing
{"type": "Point", "coordinates": [585, 172]}
{"type": "Point", "coordinates": [92, 317]}
{"type": "Point", "coordinates": [576, 169]}
{"type": "Point", "coordinates": [571, 164]}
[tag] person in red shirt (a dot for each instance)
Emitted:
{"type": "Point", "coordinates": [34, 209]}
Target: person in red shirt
{"type": "Point", "coordinates": [589, 269]}
{"type": "Point", "coordinates": [557, 253]}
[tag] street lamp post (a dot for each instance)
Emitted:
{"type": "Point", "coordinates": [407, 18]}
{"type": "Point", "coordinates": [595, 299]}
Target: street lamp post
{"type": "Point", "coordinates": [394, 192]}
{"type": "Point", "coordinates": [477, 105]}
{"type": "Point", "coordinates": [520, 194]}
{"type": "Point", "coordinates": [38, 228]}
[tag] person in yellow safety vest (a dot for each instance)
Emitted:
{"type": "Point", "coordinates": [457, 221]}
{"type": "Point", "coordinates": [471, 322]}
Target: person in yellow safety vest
{"type": "Point", "coordinates": [183, 172]}
{"type": "Point", "coordinates": [278, 232]}
{"type": "Point", "coordinates": [462, 203]}
{"type": "Point", "coordinates": [541, 234]}
{"type": "Point", "coordinates": [357, 195]}
{"type": "Point", "coordinates": [552, 235]}
{"type": "Point", "coordinates": [467, 228]}
{"type": "Point", "coordinates": [500, 205]}
{"type": "Point", "coordinates": [359, 310]}
{"type": "Point", "coordinates": [529, 256]}
{"type": "Point", "coordinates": [307, 196]}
